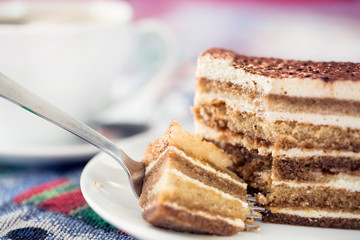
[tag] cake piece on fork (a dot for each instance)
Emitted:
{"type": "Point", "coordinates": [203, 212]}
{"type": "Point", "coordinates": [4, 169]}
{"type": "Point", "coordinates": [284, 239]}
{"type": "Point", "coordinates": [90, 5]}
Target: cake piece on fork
{"type": "Point", "coordinates": [188, 186]}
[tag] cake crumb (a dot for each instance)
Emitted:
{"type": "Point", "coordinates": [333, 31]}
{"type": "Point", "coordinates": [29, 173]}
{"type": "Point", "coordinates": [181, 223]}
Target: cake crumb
{"type": "Point", "coordinates": [257, 214]}
{"type": "Point", "coordinates": [261, 198]}
{"type": "Point", "coordinates": [97, 184]}
{"type": "Point", "coordinates": [250, 221]}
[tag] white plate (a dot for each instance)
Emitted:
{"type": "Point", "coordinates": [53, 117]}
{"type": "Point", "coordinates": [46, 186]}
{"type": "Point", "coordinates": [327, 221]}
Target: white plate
{"type": "Point", "coordinates": [105, 188]}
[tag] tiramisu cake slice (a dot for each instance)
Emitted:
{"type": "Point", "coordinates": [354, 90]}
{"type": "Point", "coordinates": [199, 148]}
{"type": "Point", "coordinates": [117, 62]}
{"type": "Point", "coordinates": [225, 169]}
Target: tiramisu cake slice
{"type": "Point", "coordinates": [293, 129]}
{"type": "Point", "coordinates": [187, 186]}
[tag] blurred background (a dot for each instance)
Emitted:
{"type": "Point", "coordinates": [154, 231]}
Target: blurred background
{"type": "Point", "coordinates": [158, 90]}
{"type": "Point", "coordinates": [324, 30]}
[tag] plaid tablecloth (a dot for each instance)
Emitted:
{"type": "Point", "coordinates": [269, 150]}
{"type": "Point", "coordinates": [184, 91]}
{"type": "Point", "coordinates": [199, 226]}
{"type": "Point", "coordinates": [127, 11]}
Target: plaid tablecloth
{"type": "Point", "coordinates": [46, 203]}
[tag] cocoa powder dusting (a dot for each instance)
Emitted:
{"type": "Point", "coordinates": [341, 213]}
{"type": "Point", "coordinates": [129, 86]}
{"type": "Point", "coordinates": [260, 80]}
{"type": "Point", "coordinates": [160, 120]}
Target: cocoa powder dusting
{"type": "Point", "coordinates": [283, 68]}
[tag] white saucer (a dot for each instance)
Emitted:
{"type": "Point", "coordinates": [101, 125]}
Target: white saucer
{"type": "Point", "coordinates": [76, 152]}
{"type": "Point", "coordinates": [49, 155]}
{"type": "Point", "coordinates": [105, 187]}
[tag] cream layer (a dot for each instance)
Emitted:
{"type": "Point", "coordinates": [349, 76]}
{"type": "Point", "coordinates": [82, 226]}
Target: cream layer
{"type": "Point", "coordinates": [242, 104]}
{"type": "Point", "coordinates": [204, 186]}
{"type": "Point", "coordinates": [338, 181]}
{"type": "Point", "coordinates": [315, 213]}
{"type": "Point", "coordinates": [223, 70]}
{"type": "Point", "coordinates": [197, 163]}
{"type": "Point", "coordinates": [232, 221]}
{"type": "Point", "coordinates": [162, 184]}
{"type": "Point", "coordinates": [213, 134]}
{"type": "Point", "coordinates": [315, 119]}
{"type": "Point", "coordinates": [236, 102]}
{"type": "Point", "coordinates": [305, 153]}
{"type": "Point", "coordinates": [234, 139]}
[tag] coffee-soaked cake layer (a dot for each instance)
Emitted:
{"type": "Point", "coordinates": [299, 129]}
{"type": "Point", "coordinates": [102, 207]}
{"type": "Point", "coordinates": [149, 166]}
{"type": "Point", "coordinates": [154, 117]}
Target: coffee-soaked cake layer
{"type": "Point", "coordinates": [190, 167]}
{"type": "Point", "coordinates": [176, 191]}
{"type": "Point", "coordinates": [330, 202]}
{"type": "Point", "coordinates": [303, 165]}
{"type": "Point", "coordinates": [316, 168]}
{"type": "Point", "coordinates": [314, 196]}
{"type": "Point", "coordinates": [333, 201]}
{"type": "Point", "coordinates": [313, 220]}
{"type": "Point", "coordinates": [255, 169]}
{"type": "Point", "coordinates": [188, 193]}
{"type": "Point", "coordinates": [276, 103]}
{"type": "Point", "coordinates": [168, 190]}
{"type": "Point", "coordinates": [184, 141]}
{"type": "Point", "coordinates": [249, 164]}
{"type": "Point", "coordinates": [175, 187]}
{"type": "Point", "coordinates": [280, 134]}
{"type": "Point", "coordinates": [173, 216]}
{"type": "Point", "coordinates": [224, 136]}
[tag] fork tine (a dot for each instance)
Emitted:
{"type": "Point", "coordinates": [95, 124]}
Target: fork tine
{"type": "Point", "coordinates": [255, 217]}
{"type": "Point", "coordinates": [250, 198]}
{"type": "Point", "coordinates": [255, 214]}
{"type": "Point", "coordinates": [251, 227]}
{"type": "Point", "coordinates": [256, 208]}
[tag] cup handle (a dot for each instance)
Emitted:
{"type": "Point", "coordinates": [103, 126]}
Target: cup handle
{"type": "Point", "coordinates": [150, 59]}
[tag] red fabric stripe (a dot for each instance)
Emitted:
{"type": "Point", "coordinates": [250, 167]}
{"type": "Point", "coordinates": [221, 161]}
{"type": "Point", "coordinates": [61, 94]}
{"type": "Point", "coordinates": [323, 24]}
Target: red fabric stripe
{"type": "Point", "coordinates": [122, 232]}
{"type": "Point", "coordinates": [65, 202]}
{"type": "Point", "coordinates": [38, 189]}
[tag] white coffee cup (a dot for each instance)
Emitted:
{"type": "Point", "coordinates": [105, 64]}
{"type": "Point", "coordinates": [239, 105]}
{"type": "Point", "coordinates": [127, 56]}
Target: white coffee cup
{"type": "Point", "coordinates": [69, 53]}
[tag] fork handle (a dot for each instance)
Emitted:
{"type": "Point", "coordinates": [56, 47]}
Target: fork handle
{"type": "Point", "coordinates": [19, 95]}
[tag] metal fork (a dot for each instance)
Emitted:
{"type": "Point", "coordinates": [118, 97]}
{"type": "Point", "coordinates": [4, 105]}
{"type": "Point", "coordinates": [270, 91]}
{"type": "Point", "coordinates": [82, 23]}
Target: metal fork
{"type": "Point", "coordinates": [255, 214]}
{"type": "Point", "coordinates": [19, 95]}
{"type": "Point", "coordinates": [135, 170]}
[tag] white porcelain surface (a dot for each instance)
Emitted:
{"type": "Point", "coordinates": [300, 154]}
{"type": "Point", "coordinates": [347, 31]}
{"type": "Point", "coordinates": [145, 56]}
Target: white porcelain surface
{"type": "Point", "coordinates": [57, 61]}
{"type": "Point", "coordinates": [106, 189]}
{"type": "Point", "coordinates": [50, 155]}
{"type": "Point", "coordinates": [71, 63]}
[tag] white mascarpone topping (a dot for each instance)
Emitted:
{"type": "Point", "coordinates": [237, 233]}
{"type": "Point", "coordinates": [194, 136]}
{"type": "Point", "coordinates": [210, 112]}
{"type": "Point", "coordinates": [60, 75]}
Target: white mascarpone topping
{"type": "Point", "coordinates": [338, 181]}
{"type": "Point", "coordinates": [315, 119]}
{"type": "Point", "coordinates": [302, 153]}
{"type": "Point", "coordinates": [222, 70]}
